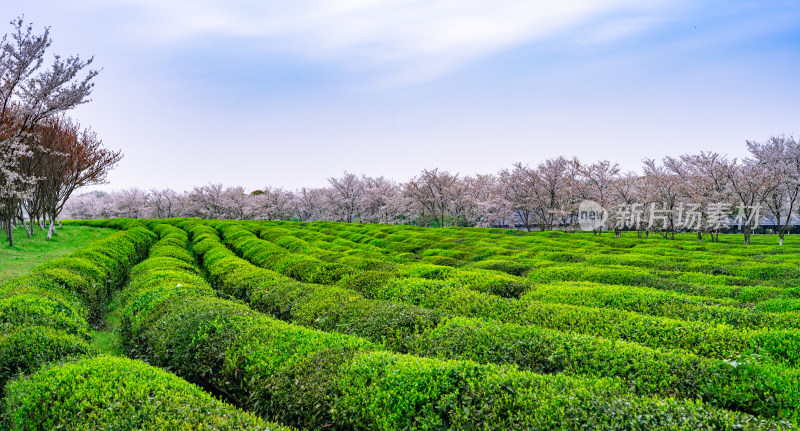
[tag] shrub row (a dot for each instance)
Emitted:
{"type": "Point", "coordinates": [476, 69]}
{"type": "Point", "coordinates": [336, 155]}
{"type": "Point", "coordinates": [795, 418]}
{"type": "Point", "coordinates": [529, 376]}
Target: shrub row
{"type": "Point", "coordinates": [638, 277]}
{"type": "Point", "coordinates": [759, 389]}
{"type": "Point", "coordinates": [96, 392]}
{"type": "Point", "coordinates": [44, 316]}
{"type": "Point", "coordinates": [668, 270]}
{"type": "Point", "coordinates": [95, 271]}
{"type": "Point", "coordinates": [504, 265]}
{"type": "Point", "coordinates": [776, 305]}
{"type": "Point", "coordinates": [504, 285]}
{"type": "Point", "coordinates": [733, 267]}
{"type": "Point", "coordinates": [298, 266]}
{"type": "Point", "coordinates": [317, 379]}
{"type": "Point", "coordinates": [691, 267]}
{"type": "Point", "coordinates": [112, 393]}
{"type": "Point", "coordinates": [324, 307]}
{"type": "Point", "coordinates": [264, 252]}
{"type": "Point", "coordinates": [660, 303]}
{"type": "Point", "coordinates": [705, 339]}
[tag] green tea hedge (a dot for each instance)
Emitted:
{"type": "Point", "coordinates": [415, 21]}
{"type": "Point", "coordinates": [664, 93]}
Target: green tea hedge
{"type": "Point", "coordinates": [751, 387]}
{"type": "Point", "coordinates": [318, 379]}
{"type": "Point", "coordinates": [114, 393]}
{"type": "Point", "coordinates": [45, 324]}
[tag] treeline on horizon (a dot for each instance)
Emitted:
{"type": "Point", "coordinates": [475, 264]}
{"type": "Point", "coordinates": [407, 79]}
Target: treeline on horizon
{"type": "Point", "coordinates": [544, 197]}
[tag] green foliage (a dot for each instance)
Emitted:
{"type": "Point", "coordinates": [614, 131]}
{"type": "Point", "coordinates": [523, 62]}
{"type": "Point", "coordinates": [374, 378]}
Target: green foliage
{"type": "Point", "coordinates": [25, 349]}
{"type": "Point", "coordinates": [507, 266]}
{"type": "Point", "coordinates": [384, 391]}
{"type": "Point", "coordinates": [95, 271]}
{"type": "Point", "coordinates": [779, 305]}
{"type": "Point", "coordinates": [115, 393]}
{"type": "Point", "coordinates": [660, 303]}
{"type": "Point", "coordinates": [312, 378]}
{"type": "Point", "coordinates": [43, 322]}
{"type": "Point", "coordinates": [31, 310]}
{"type": "Point", "coordinates": [662, 334]}
{"type": "Point", "coordinates": [398, 327]}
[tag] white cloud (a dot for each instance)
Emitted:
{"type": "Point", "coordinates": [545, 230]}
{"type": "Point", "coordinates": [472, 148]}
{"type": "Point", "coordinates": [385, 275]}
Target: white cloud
{"type": "Point", "coordinates": [414, 39]}
{"type": "Point", "coordinates": [615, 30]}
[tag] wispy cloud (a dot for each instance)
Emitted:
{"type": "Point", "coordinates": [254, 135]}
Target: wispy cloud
{"type": "Point", "coordinates": [407, 40]}
{"type": "Point", "coordinates": [301, 84]}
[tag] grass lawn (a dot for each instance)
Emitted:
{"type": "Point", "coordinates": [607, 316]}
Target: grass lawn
{"type": "Point", "coordinates": [29, 253]}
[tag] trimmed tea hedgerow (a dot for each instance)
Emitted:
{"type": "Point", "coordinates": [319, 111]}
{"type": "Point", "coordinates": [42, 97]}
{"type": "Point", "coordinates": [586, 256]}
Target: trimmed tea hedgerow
{"type": "Point", "coordinates": [313, 379]}
{"type": "Point", "coordinates": [705, 339]}
{"type": "Point", "coordinates": [108, 392]}
{"type": "Point", "coordinates": [44, 324]}
{"type": "Point", "coordinates": [661, 303]}
{"type": "Point", "coordinates": [420, 314]}
{"type": "Point", "coordinates": [26, 349]}
{"type": "Point", "coordinates": [415, 330]}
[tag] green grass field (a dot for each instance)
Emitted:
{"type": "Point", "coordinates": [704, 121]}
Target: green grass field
{"type": "Point", "coordinates": [351, 326]}
{"type": "Point", "coordinates": [28, 253]}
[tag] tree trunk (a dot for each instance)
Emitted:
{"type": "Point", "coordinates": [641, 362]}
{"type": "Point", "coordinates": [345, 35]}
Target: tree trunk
{"type": "Point", "coordinates": [780, 238]}
{"type": "Point", "coordinates": [9, 233]}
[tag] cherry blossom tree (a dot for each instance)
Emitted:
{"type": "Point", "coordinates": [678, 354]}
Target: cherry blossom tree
{"type": "Point", "coordinates": [165, 203]}
{"type": "Point", "coordinates": [750, 183]}
{"type": "Point", "coordinates": [130, 203]}
{"type": "Point", "coordinates": [478, 206]}
{"type": "Point", "coordinates": [308, 203]}
{"type": "Point", "coordinates": [382, 201]}
{"type": "Point", "coordinates": [780, 156]}
{"type": "Point", "coordinates": [235, 204]}
{"type": "Point", "coordinates": [661, 191]}
{"type": "Point", "coordinates": [552, 192]}
{"type": "Point", "coordinates": [344, 196]}
{"type": "Point", "coordinates": [625, 196]}
{"type": "Point", "coordinates": [272, 204]}
{"type": "Point", "coordinates": [84, 206]}
{"type": "Point", "coordinates": [434, 192]}
{"type": "Point", "coordinates": [30, 93]}
{"type": "Point", "coordinates": [69, 158]}
{"type": "Point", "coordinates": [518, 188]}
{"type": "Point", "coordinates": [598, 179]}
{"type": "Point", "coordinates": [706, 187]}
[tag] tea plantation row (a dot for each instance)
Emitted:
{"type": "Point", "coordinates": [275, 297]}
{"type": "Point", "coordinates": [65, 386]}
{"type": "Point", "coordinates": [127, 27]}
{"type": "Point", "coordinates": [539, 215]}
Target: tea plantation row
{"type": "Point", "coordinates": [346, 326]}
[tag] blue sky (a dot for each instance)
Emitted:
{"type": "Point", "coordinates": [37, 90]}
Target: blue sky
{"type": "Point", "coordinates": [289, 93]}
